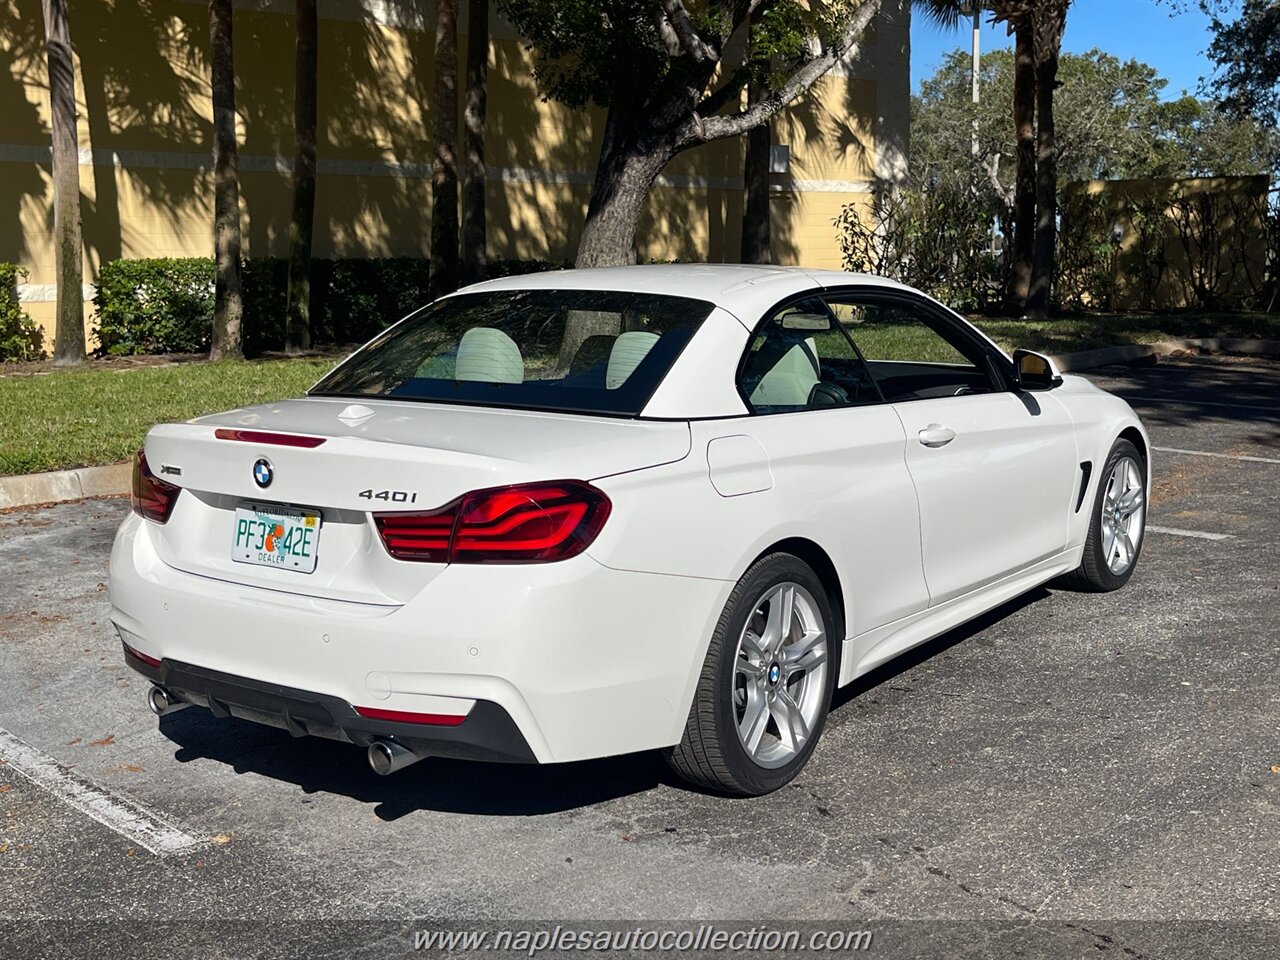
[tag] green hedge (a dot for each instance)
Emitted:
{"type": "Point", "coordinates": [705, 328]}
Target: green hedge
{"type": "Point", "coordinates": [155, 306]}
{"type": "Point", "coordinates": [20, 337]}
{"type": "Point", "coordinates": [166, 305]}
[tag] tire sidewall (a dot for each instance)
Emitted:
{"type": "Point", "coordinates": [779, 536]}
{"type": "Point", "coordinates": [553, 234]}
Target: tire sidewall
{"type": "Point", "coordinates": [768, 573]}
{"type": "Point", "coordinates": [1108, 580]}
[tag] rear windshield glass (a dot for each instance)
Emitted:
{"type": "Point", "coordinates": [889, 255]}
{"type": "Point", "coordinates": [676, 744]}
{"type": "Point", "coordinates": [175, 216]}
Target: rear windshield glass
{"type": "Point", "coordinates": [582, 351]}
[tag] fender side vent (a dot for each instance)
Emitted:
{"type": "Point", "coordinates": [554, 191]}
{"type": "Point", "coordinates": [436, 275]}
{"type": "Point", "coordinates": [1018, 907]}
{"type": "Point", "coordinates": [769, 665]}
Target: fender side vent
{"type": "Point", "coordinates": [1086, 469]}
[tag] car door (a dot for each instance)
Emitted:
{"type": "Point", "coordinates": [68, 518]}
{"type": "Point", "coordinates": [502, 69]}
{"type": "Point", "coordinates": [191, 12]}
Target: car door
{"type": "Point", "coordinates": [994, 469]}
{"type": "Point", "coordinates": [833, 465]}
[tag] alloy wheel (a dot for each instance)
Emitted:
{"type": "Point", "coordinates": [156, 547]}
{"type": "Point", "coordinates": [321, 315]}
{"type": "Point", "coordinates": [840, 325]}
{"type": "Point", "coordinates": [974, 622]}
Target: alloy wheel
{"type": "Point", "coordinates": [1124, 510]}
{"type": "Point", "coordinates": [780, 674]}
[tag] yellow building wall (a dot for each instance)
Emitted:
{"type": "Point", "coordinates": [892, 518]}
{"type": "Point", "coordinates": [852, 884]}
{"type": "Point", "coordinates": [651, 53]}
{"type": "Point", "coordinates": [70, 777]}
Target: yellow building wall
{"type": "Point", "coordinates": [145, 134]}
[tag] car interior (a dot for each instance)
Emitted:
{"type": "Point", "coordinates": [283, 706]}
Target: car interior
{"type": "Point", "coordinates": [845, 353]}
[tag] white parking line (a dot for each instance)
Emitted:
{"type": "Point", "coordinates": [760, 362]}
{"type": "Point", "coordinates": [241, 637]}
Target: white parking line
{"type": "Point", "coordinates": [1220, 456]}
{"type": "Point", "coordinates": [1179, 532]}
{"type": "Point", "coordinates": [128, 818]}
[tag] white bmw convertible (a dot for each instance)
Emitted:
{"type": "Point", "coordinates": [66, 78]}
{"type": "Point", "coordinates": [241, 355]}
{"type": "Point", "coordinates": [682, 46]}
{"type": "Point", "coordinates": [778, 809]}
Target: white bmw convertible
{"type": "Point", "coordinates": [592, 512]}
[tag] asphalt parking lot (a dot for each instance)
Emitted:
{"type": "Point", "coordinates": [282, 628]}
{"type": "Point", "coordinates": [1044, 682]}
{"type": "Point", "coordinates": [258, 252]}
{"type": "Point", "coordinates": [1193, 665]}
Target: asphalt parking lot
{"type": "Point", "coordinates": [1069, 775]}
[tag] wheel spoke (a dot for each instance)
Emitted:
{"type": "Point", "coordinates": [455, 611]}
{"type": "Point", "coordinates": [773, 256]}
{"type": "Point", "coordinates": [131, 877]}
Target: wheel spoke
{"type": "Point", "coordinates": [792, 728]}
{"type": "Point", "coordinates": [806, 653]}
{"type": "Point", "coordinates": [752, 650]}
{"type": "Point", "coordinates": [781, 610]}
{"type": "Point", "coordinates": [754, 719]}
{"type": "Point", "coordinates": [1130, 502]}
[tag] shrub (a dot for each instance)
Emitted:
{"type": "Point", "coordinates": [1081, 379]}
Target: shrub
{"type": "Point", "coordinates": [1086, 257]}
{"type": "Point", "coordinates": [166, 306]}
{"type": "Point", "coordinates": [937, 238]}
{"type": "Point", "coordinates": [155, 306]}
{"type": "Point", "coordinates": [20, 337]}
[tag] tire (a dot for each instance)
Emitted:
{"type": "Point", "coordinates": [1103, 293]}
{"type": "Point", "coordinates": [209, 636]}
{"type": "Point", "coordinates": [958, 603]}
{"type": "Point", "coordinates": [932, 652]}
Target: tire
{"type": "Point", "coordinates": [788, 673]}
{"type": "Point", "coordinates": [1098, 571]}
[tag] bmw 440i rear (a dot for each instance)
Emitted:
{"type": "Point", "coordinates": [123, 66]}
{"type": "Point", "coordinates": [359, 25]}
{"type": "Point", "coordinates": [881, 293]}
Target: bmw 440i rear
{"type": "Point", "coordinates": [401, 559]}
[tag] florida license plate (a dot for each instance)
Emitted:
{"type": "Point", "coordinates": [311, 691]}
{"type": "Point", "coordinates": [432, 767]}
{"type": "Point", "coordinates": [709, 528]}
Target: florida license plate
{"type": "Point", "coordinates": [276, 536]}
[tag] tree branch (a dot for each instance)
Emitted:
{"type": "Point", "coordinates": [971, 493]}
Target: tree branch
{"type": "Point", "coordinates": [677, 17]}
{"type": "Point", "coordinates": [804, 77]}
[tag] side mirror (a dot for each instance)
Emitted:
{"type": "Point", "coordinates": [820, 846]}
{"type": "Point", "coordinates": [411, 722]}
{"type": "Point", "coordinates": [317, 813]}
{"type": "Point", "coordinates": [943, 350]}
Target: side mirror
{"type": "Point", "coordinates": [1035, 371]}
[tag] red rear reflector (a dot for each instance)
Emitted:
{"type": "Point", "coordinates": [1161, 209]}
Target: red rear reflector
{"type": "Point", "coordinates": [139, 655]}
{"type": "Point", "coordinates": [275, 439]}
{"type": "Point", "coordinates": [152, 497]}
{"type": "Point", "coordinates": [404, 716]}
{"type": "Point", "coordinates": [525, 523]}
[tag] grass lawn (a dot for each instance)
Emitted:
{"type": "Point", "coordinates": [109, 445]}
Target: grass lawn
{"type": "Point", "coordinates": [76, 418]}
{"type": "Point", "coordinates": [54, 419]}
{"type": "Point", "coordinates": [1069, 334]}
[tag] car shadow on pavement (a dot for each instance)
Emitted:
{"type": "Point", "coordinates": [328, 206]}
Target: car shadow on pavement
{"type": "Point", "coordinates": [482, 789]}
{"type": "Point", "coordinates": [931, 648]}
{"type": "Point", "coordinates": [316, 765]}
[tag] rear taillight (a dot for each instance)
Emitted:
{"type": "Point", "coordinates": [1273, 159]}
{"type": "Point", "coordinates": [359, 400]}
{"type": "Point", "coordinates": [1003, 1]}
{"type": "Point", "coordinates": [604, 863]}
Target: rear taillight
{"type": "Point", "coordinates": [152, 497]}
{"type": "Point", "coordinates": [526, 523]}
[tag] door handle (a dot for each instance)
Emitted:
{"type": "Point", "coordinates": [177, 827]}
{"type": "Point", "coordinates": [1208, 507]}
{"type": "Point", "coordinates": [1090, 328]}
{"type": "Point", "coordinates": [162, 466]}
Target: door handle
{"type": "Point", "coordinates": [936, 435]}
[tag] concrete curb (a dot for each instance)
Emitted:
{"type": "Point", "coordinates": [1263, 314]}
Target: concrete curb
{"type": "Point", "coordinates": [1104, 356]}
{"type": "Point", "coordinates": [60, 485]}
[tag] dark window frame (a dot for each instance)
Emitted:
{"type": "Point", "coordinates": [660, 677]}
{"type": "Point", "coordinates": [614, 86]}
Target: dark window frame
{"type": "Point", "coordinates": [997, 368]}
{"type": "Point", "coordinates": [816, 294]}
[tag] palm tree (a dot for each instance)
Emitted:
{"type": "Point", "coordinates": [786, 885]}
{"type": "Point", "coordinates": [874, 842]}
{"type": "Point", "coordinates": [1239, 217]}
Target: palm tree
{"type": "Point", "coordinates": [473, 175]}
{"type": "Point", "coordinates": [1016, 14]}
{"type": "Point", "coordinates": [68, 344]}
{"type": "Point", "coordinates": [1049, 19]}
{"type": "Point", "coordinates": [756, 218]}
{"type": "Point", "coordinates": [228, 308]}
{"type": "Point", "coordinates": [302, 222]}
{"type": "Point", "coordinates": [444, 179]}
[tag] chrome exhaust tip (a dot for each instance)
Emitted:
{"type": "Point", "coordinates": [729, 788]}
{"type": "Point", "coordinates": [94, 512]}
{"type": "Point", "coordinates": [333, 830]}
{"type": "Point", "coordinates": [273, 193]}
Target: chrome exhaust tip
{"type": "Point", "coordinates": [162, 702]}
{"type": "Point", "coordinates": [387, 756]}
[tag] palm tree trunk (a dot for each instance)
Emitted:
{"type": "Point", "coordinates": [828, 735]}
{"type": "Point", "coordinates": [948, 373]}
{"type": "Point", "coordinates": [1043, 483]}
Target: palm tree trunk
{"type": "Point", "coordinates": [473, 177]}
{"type": "Point", "coordinates": [228, 307]}
{"type": "Point", "coordinates": [302, 222]}
{"type": "Point", "coordinates": [756, 238]}
{"type": "Point", "coordinates": [444, 179]}
{"type": "Point", "coordinates": [1024, 196]}
{"type": "Point", "coordinates": [68, 346]}
{"type": "Point", "coordinates": [1050, 21]}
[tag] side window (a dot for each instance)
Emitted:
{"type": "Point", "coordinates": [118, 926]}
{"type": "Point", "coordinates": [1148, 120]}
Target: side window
{"type": "Point", "coordinates": [911, 355]}
{"type": "Point", "coordinates": [800, 359]}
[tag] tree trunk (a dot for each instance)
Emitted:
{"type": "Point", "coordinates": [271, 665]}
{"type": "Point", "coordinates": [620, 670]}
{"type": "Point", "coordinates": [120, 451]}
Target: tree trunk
{"type": "Point", "coordinates": [1024, 199]}
{"type": "Point", "coordinates": [627, 169]}
{"type": "Point", "coordinates": [756, 234]}
{"type": "Point", "coordinates": [444, 178]}
{"type": "Point", "coordinates": [301, 225]}
{"type": "Point", "coordinates": [473, 182]}
{"type": "Point", "coordinates": [68, 346]}
{"type": "Point", "coordinates": [228, 308]}
{"type": "Point", "coordinates": [1050, 21]}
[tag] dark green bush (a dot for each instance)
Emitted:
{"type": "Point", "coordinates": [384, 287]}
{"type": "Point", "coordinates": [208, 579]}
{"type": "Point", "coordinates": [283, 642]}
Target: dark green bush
{"type": "Point", "coordinates": [518, 268]}
{"type": "Point", "coordinates": [166, 306]}
{"type": "Point", "coordinates": [20, 337]}
{"type": "Point", "coordinates": [155, 306]}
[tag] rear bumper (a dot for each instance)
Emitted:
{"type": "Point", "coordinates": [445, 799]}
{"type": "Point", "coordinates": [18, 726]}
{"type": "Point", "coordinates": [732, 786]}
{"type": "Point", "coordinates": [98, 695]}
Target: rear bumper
{"type": "Point", "coordinates": [584, 660]}
{"type": "Point", "coordinates": [488, 732]}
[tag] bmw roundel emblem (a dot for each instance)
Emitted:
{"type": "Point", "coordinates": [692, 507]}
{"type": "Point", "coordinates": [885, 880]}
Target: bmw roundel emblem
{"type": "Point", "coordinates": [775, 672]}
{"type": "Point", "coordinates": [262, 473]}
